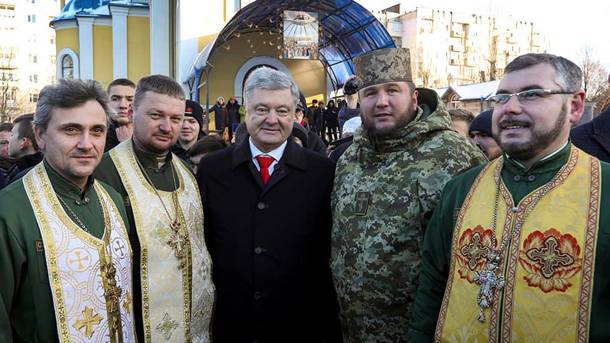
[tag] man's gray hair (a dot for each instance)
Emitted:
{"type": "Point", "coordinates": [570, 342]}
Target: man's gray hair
{"type": "Point", "coordinates": [68, 94]}
{"type": "Point", "coordinates": [567, 74]}
{"type": "Point", "coordinates": [270, 79]}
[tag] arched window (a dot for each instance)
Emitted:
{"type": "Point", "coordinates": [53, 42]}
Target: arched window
{"type": "Point", "coordinates": [67, 64]}
{"type": "Point", "coordinates": [67, 67]}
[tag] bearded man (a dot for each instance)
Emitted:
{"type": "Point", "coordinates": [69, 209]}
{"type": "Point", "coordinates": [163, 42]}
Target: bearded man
{"type": "Point", "coordinates": [174, 293]}
{"type": "Point", "coordinates": [517, 249]}
{"type": "Point", "coordinates": [387, 184]}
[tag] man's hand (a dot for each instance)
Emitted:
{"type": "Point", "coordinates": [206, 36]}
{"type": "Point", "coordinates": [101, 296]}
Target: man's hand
{"type": "Point", "coordinates": [124, 132]}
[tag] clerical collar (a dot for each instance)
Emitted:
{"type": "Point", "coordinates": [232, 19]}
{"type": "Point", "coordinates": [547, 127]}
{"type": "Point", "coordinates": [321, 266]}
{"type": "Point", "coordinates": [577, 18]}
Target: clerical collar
{"type": "Point", "coordinates": [549, 161]}
{"type": "Point", "coordinates": [276, 153]}
{"type": "Point", "coordinates": [150, 160]}
{"type": "Point", "coordinates": [66, 188]}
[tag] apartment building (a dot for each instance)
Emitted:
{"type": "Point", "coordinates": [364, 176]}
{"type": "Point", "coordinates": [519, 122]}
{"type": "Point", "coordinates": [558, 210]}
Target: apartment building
{"type": "Point", "coordinates": [27, 53]}
{"type": "Point", "coordinates": [456, 48]}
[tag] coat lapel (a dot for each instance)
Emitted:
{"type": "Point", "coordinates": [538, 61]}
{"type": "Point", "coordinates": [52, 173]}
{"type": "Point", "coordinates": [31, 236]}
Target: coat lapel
{"type": "Point", "coordinates": [243, 155]}
{"type": "Point", "coordinates": [292, 160]}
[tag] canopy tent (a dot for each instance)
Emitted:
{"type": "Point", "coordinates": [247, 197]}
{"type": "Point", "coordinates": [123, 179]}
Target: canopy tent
{"type": "Point", "coordinates": [347, 30]}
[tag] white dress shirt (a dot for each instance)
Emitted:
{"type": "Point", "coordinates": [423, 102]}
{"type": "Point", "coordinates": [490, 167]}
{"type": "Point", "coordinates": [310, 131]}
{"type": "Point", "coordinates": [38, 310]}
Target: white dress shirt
{"type": "Point", "coordinates": [276, 153]}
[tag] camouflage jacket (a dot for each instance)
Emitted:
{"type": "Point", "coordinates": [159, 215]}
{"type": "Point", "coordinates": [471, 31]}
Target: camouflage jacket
{"type": "Point", "coordinates": [384, 194]}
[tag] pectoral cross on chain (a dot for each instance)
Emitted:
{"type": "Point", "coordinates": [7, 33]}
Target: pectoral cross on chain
{"type": "Point", "coordinates": [178, 242]}
{"type": "Point", "coordinates": [489, 282]}
{"type": "Point", "coordinates": [112, 293]}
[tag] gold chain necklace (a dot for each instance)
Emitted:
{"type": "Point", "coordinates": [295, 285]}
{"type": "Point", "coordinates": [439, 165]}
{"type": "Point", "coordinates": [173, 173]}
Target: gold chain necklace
{"type": "Point", "coordinates": [75, 217]}
{"type": "Point", "coordinates": [178, 239]}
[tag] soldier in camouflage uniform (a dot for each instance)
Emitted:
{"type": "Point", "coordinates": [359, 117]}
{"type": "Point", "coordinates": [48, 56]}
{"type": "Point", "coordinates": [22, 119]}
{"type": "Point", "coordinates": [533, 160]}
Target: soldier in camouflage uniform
{"type": "Point", "coordinates": [386, 186]}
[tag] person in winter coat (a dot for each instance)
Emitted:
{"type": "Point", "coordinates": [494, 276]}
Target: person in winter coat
{"type": "Point", "coordinates": [233, 116]}
{"type": "Point", "coordinates": [220, 114]}
{"type": "Point", "coordinates": [331, 121]}
{"type": "Point", "coordinates": [387, 184]}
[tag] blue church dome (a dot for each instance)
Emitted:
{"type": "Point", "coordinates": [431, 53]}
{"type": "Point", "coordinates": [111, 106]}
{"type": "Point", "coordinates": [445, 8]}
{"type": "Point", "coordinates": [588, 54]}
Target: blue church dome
{"type": "Point", "coordinates": [94, 8]}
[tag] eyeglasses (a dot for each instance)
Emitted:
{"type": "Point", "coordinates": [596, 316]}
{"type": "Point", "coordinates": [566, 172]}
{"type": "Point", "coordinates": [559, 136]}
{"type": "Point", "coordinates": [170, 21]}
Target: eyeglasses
{"type": "Point", "coordinates": [526, 96]}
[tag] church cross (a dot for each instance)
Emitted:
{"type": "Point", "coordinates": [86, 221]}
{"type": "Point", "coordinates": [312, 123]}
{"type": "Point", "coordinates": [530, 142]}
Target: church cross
{"type": "Point", "coordinates": [550, 257]}
{"type": "Point", "coordinates": [488, 282]}
{"type": "Point", "coordinates": [79, 260]}
{"type": "Point", "coordinates": [119, 246]}
{"type": "Point", "coordinates": [474, 251]}
{"type": "Point", "coordinates": [167, 326]}
{"type": "Point", "coordinates": [88, 321]}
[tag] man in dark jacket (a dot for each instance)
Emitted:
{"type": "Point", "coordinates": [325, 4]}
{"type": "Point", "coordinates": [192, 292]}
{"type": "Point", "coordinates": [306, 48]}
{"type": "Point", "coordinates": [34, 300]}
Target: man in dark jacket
{"type": "Point", "coordinates": [220, 114]}
{"type": "Point", "coordinates": [331, 122]}
{"type": "Point", "coordinates": [232, 116]}
{"type": "Point", "coordinates": [594, 136]}
{"type": "Point", "coordinates": [267, 229]}
{"type": "Point", "coordinates": [314, 142]}
{"type": "Point", "coordinates": [190, 131]}
{"type": "Point", "coordinates": [120, 94]}
{"type": "Point", "coordinates": [481, 135]}
{"type": "Point", "coordinates": [5, 135]}
{"type": "Point", "coordinates": [314, 116]}
{"type": "Point", "coordinates": [23, 148]}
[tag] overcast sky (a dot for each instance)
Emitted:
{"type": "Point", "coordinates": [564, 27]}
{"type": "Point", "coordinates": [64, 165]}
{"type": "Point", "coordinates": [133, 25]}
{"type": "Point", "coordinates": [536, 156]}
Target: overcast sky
{"type": "Point", "coordinates": [569, 25]}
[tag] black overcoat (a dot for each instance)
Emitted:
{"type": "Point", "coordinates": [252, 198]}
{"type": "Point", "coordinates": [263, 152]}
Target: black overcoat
{"type": "Point", "coordinates": [270, 246]}
{"type": "Point", "coordinates": [594, 136]}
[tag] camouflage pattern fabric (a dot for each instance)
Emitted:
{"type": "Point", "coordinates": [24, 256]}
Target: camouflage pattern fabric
{"type": "Point", "coordinates": [383, 65]}
{"type": "Point", "coordinates": [384, 194]}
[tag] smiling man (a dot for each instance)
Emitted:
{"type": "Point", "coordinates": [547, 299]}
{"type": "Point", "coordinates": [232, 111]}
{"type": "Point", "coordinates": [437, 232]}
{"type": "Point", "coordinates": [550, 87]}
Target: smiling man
{"type": "Point", "coordinates": [517, 250]}
{"type": "Point", "coordinates": [65, 261]}
{"type": "Point", "coordinates": [268, 230]}
{"type": "Point", "coordinates": [387, 184]}
{"type": "Point", "coordinates": [174, 292]}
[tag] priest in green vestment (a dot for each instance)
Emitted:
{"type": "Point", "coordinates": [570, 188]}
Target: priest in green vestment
{"type": "Point", "coordinates": [517, 250]}
{"type": "Point", "coordinates": [65, 261]}
{"type": "Point", "coordinates": [172, 268]}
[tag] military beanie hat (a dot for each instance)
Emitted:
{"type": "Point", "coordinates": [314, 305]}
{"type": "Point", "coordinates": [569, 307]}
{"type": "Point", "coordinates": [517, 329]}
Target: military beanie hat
{"type": "Point", "coordinates": [383, 65]}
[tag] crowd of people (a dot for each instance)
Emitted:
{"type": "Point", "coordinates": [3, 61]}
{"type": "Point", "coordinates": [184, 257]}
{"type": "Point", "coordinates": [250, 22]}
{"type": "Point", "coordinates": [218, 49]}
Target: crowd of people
{"type": "Point", "coordinates": [383, 218]}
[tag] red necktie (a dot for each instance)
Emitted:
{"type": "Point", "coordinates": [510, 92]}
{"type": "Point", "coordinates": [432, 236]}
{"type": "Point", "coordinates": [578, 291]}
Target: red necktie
{"type": "Point", "coordinates": [264, 162]}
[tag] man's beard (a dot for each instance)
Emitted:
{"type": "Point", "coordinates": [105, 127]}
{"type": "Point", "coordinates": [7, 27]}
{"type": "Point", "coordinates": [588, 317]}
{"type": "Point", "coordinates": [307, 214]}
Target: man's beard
{"type": "Point", "coordinates": [369, 124]}
{"type": "Point", "coordinates": [524, 151]}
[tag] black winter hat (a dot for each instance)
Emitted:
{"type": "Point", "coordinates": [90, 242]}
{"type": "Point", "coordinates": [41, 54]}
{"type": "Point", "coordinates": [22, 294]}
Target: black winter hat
{"type": "Point", "coordinates": [482, 123]}
{"type": "Point", "coordinates": [193, 109]}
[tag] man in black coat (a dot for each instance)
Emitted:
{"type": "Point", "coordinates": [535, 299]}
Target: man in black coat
{"type": "Point", "coordinates": [23, 148]}
{"type": "Point", "coordinates": [120, 93]}
{"type": "Point", "coordinates": [267, 229]}
{"type": "Point", "coordinates": [594, 136]}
